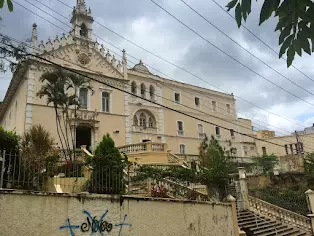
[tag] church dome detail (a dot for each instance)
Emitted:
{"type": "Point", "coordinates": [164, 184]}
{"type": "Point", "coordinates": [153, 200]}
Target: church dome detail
{"type": "Point", "coordinates": [140, 67]}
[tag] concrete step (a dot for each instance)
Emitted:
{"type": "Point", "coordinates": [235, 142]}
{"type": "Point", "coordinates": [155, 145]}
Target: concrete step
{"type": "Point", "coordinates": [259, 225]}
{"type": "Point", "coordinates": [270, 229]}
{"type": "Point", "coordinates": [266, 224]}
{"type": "Point", "coordinates": [282, 232]}
{"type": "Point", "coordinates": [262, 226]}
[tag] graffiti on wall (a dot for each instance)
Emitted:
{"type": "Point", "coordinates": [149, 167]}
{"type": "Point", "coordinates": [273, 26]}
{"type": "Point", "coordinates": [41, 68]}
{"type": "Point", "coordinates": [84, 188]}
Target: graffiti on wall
{"type": "Point", "coordinates": [94, 225]}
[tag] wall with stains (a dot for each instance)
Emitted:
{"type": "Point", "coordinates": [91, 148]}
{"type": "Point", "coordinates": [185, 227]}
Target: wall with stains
{"type": "Point", "coordinates": [31, 214]}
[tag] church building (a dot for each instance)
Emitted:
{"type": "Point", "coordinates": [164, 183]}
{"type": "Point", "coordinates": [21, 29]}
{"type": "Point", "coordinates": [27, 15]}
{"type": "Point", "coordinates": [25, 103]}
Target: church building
{"type": "Point", "coordinates": [128, 119]}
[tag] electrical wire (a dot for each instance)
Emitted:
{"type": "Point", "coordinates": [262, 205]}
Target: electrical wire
{"type": "Point", "coordinates": [259, 39]}
{"type": "Point", "coordinates": [137, 59]}
{"type": "Point", "coordinates": [134, 95]}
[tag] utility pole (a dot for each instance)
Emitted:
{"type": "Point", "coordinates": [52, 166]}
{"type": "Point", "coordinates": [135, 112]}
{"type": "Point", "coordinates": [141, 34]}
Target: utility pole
{"type": "Point", "coordinates": [299, 146]}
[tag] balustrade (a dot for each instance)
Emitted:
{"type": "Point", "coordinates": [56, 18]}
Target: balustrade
{"type": "Point", "coordinates": [277, 213]}
{"type": "Point", "coordinates": [143, 147]}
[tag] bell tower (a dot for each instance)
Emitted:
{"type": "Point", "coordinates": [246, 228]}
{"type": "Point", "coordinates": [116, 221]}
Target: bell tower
{"type": "Point", "coordinates": [82, 20]}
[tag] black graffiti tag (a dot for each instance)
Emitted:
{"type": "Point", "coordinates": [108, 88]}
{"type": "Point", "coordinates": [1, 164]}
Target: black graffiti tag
{"type": "Point", "coordinates": [96, 225]}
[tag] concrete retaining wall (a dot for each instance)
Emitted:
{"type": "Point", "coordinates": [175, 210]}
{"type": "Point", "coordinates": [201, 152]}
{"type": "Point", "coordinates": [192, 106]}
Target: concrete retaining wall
{"type": "Point", "coordinates": [31, 214]}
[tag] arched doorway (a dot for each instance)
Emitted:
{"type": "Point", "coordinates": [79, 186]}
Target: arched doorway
{"type": "Point", "coordinates": [83, 136]}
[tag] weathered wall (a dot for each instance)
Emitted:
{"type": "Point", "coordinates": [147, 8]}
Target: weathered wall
{"type": "Point", "coordinates": [32, 214]}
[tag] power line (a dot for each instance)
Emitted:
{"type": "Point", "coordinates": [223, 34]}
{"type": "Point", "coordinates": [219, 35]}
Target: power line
{"type": "Point", "coordinates": [233, 58]}
{"type": "Point", "coordinates": [116, 53]}
{"type": "Point", "coordinates": [259, 39]}
{"type": "Point", "coordinates": [181, 68]}
{"type": "Point", "coordinates": [183, 105]}
{"type": "Point", "coordinates": [116, 47]}
{"type": "Point", "coordinates": [150, 100]}
{"type": "Point", "coordinates": [145, 99]}
{"type": "Point", "coordinates": [129, 60]}
{"type": "Point", "coordinates": [217, 28]}
{"type": "Point", "coordinates": [156, 70]}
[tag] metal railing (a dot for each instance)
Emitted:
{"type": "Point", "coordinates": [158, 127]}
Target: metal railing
{"type": "Point", "coordinates": [52, 174]}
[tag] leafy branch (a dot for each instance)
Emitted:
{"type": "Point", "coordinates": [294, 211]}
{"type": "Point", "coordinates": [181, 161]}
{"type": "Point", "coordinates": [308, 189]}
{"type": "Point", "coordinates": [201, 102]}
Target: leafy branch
{"type": "Point", "coordinates": [9, 3]}
{"type": "Point", "coordinates": [295, 21]}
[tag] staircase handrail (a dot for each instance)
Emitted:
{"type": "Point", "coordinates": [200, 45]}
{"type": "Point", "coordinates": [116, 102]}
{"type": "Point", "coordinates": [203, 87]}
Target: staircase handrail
{"type": "Point", "coordinates": [267, 209]}
{"type": "Point", "coordinates": [83, 147]}
{"type": "Point", "coordinates": [199, 194]}
{"type": "Point", "coordinates": [175, 159]}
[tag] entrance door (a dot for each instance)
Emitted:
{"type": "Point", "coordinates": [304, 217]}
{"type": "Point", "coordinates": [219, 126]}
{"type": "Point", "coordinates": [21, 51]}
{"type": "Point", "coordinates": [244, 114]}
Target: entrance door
{"type": "Point", "coordinates": [83, 137]}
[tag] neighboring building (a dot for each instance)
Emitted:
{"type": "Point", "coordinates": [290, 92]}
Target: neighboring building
{"type": "Point", "coordinates": [126, 118]}
{"type": "Point", "coordinates": [308, 130]}
{"type": "Point", "coordinates": [289, 145]}
{"type": "Point", "coordinates": [262, 134]}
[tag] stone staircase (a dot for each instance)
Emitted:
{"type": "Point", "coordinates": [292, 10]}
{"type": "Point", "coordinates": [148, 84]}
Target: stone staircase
{"type": "Point", "coordinates": [254, 224]}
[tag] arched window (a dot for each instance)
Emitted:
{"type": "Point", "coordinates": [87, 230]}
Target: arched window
{"type": "Point", "coordinates": [143, 90]}
{"type": "Point", "coordinates": [150, 122]}
{"type": "Point", "coordinates": [142, 120]}
{"type": "Point", "coordinates": [133, 87]}
{"type": "Point", "coordinates": [152, 92]}
{"type": "Point", "coordinates": [84, 30]}
{"type": "Point", "coordinates": [135, 121]}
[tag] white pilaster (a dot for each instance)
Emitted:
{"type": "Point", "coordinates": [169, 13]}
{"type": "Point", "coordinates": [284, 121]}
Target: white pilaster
{"type": "Point", "coordinates": [30, 97]}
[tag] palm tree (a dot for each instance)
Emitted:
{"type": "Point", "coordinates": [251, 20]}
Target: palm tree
{"type": "Point", "coordinates": [74, 83]}
{"type": "Point", "coordinates": [54, 91]}
{"type": "Point", "coordinates": [61, 89]}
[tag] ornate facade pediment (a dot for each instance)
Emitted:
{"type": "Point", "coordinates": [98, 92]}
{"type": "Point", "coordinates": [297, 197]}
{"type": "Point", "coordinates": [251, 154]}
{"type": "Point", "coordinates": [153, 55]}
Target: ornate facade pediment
{"type": "Point", "coordinates": [86, 56]}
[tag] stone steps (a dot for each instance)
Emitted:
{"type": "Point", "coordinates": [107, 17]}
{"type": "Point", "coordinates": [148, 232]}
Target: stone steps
{"type": "Point", "coordinates": [254, 224]}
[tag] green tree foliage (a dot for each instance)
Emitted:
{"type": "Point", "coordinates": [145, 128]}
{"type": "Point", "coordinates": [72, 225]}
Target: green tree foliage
{"type": "Point", "coordinates": [9, 140]}
{"type": "Point", "coordinates": [215, 166]}
{"type": "Point", "coordinates": [216, 163]}
{"type": "Point", "coordinates": [266, 163]}
{"type": "Point", "coordinates": [36, 147]}
{"type": "Point", "coordinates": [107, 168]}
{"type": "Point", "coordinates": [309, 168]}
{"type": "Point", "coordinates": [295, 21]}
{"type": "Point", "coordinates": [9, 3]}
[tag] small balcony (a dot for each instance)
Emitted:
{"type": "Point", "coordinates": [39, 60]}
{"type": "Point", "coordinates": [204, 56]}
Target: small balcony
{"type": "Point", "coordinates": [180, 132]}
{"type": "Point", "coordinates": [201, 135]}
{"type": "Point", "coordinates": [150, 153]}
{"type": "Point", "coordinates": [146, 130]}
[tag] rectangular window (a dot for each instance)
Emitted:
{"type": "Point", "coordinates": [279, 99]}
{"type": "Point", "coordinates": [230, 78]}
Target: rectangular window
{"type": "Point", "coordinates": [180, 128]}
{"type": "Point", "coordinates": [301, 148]}
{"type": "Point", "coordinates": [214, 105]}
{"type": "Point", "coordinates": [291, 148]}
{"type": "Point", "coordinates": [232, 133]}
{"type": "Point", "coordinates": [264, 150]}
{"type": "Point", "coordinates": [286, 149]}
{"type": "Point", "coordinates": [197, 101]}
{"type": "Point", "coordinates": [217, 132]}
{"type": "Point", "coordinates": [177, 97]}
{"type": "Point", "coordinates": [296, 148]}
{"type": "Point", "coordinates": [182, 149]}
{"type": "Point", "coordinates": [200, 131]}
{"type": "Point", "coordinates": [105, 98]}
{"type": "Point", "coordinates": [252, 148]}
{"type": "Point", "coordinates": [228, 108]}
{"type": "Point", "coordinates": [83, 93]}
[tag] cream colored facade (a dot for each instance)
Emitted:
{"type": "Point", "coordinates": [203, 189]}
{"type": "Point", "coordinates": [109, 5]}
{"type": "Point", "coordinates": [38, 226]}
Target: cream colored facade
{"type": "Point", "coordinates": [128, 119]}
{"type": "Point", "coordinates": [264, 134]}
{"type": "Point", "coordinates": [286, 145]}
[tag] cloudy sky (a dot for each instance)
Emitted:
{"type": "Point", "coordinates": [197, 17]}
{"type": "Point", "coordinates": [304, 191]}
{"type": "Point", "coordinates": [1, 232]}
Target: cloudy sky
{"type": "Point", "coordinates": [148, 26]}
